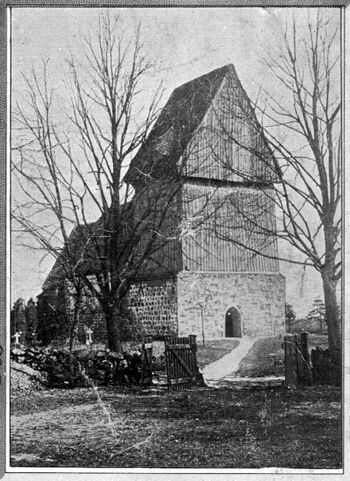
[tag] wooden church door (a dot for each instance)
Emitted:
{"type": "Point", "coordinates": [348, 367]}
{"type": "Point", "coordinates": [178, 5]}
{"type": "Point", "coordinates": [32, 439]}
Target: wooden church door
{"type": "Point", "coordinates": [233, 324]}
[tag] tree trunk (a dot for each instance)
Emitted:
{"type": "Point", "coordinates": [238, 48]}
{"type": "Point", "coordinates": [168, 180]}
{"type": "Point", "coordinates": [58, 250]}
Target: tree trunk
{"type": "Point", "coordinates": [333, 323]}
{"type": "Point", "coordinates": [113, 316]}
{"type": "Point", "coordinates": [77, 304]}
{"type": "Point", "coordinates": [330, 295]}
{"type": "Point", "coordinates": [202, 320]}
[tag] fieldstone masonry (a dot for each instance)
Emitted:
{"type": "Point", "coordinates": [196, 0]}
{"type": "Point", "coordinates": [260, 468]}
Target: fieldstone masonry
{"type": "Point", "coordinates": [154, 303]}
{"type": "Point", "coordinates": [259, 297]}
{"type": "Point", "coordinates": [175, 305]}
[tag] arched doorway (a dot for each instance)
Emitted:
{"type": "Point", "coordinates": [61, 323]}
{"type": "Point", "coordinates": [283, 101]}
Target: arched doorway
{"type": "Point", "coordinates": [233, 323]}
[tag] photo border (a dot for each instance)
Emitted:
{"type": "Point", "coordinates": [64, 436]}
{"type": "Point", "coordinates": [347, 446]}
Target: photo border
{"type": "Point", "coordinates": [5, 268]}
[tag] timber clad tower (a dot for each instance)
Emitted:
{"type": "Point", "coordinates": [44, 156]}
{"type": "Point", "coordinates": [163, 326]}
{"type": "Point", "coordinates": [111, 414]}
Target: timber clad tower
{"type": "Point", "coordinates": [208, 162]}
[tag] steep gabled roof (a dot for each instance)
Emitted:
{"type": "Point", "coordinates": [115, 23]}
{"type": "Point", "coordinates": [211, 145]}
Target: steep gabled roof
{"type": "Point", "coordinates": [187, 105]}
{"type": "Point", "coordinates": [182, 119]}
{"type": "Point", "coordinates": [78, 249]}
{"type": "Point", "coordinates": [83, 242]}
{"type": "Point", "coordinates": [181, 116]}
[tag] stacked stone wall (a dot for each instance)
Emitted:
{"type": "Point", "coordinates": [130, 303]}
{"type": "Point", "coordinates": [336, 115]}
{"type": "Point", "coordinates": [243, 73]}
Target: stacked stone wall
{"type": "Point", "coordinates": [154, 304]}
{"type": "Point", "coordinates": [259, 297]}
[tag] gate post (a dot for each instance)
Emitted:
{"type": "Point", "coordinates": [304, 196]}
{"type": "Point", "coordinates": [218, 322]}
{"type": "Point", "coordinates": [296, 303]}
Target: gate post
{"type": "Point", "coordinates": [304, 370]}
{"type": "Point", "coordinates": [146, 364]}
{"type": "Point", "coordinates": [290, 347]}
{"type": "Point", "coordinates": [198, 374]}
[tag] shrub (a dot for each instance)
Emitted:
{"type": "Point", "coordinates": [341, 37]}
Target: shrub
{"type": "Point", "coordinates": [323, 370]}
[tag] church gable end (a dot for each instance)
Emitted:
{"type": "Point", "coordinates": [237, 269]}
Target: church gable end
{"type": "Point", "coordinates": [179, 119]}
{"type": "Point", "coordinates": [229, 143]}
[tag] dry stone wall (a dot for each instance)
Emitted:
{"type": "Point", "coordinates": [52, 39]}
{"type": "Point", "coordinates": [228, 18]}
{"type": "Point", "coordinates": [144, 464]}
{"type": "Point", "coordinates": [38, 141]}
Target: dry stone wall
{"type": "Point", "coordinates": [259, 297]}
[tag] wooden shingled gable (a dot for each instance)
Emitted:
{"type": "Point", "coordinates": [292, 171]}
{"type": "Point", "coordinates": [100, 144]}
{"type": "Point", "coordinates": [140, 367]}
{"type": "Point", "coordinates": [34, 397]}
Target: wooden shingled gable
{"type": "Point", "coordinates": [174, 128]}
{"type": "Point", "coordinates": [193, 114]}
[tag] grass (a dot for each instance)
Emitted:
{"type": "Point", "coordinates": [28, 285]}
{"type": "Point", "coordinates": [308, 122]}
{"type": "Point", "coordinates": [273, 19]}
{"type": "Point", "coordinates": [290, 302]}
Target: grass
{"type": "Point", "coordinates": [214, 350]}
{"type": "Point", "coordinates": [201, 428]}
{"type": "Point", "coordinates": [266, 357]}
{"type": "Point", "coordinates": [259, 362]}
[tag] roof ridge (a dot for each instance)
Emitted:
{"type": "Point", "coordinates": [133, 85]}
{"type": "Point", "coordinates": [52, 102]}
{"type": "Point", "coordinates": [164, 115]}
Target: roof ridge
{"type": "Point", "coordinates": [205, 75]}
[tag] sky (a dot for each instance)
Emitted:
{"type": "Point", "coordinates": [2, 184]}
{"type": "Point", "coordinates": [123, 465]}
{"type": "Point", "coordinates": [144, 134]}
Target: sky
{"type": "Point", "coordinates": [185, 43]}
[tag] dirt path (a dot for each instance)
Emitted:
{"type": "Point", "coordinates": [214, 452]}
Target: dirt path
{"type": "Point", "coordinates": [229, 364]}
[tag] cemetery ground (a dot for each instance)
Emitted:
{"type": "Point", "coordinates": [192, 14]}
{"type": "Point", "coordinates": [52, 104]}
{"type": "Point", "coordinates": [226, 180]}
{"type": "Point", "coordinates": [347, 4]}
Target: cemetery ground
{"type": "Point", "coordinates": [229, 427]}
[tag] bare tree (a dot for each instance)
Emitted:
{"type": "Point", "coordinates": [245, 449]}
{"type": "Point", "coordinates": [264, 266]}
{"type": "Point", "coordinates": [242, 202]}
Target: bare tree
{"type": "Point", "coordinates": [72, 170]}
{"type": "Point", "coordinates": [43, 212]}
{"type": "Point", "coordinates": [67, 173]}
{"type": "Point", "coordinates": [300, 164]}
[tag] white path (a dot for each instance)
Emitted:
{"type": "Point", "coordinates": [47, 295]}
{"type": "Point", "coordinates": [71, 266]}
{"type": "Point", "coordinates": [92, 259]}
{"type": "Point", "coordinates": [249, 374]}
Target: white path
{"type": "Point", "coordinates": [227, 365]}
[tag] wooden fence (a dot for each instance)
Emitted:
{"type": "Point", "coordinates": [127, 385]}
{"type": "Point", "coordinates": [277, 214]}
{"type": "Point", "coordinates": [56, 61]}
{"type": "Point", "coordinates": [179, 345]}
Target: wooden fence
{"type": "Point", "coordinates": [181, 362]}
{"type": "Point", "coordinates": [297, 359]}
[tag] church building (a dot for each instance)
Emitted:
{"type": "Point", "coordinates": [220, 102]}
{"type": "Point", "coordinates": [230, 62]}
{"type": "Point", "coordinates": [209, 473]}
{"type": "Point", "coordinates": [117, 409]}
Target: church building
{"type": "Point", "coordinates": [220, 277]}
{"type": "Point", "coordinates": [217, 275]}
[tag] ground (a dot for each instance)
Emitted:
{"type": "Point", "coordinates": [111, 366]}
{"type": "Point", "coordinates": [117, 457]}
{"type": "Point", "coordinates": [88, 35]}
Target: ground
{"type": "Point", "coordinates": [201, 428]}
{"type": "Point", "coordinates": [231, 427]}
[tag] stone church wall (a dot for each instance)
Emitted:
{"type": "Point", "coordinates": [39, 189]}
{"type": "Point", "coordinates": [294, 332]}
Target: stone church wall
{"type": "Point", "coordinates": [259, 297]}
{"type": "Point", "coordinates": [155, 304]}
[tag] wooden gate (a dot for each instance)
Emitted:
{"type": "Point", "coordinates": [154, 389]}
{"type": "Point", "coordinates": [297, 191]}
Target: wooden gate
{"type": "Point", "coordinates": [181, 362]}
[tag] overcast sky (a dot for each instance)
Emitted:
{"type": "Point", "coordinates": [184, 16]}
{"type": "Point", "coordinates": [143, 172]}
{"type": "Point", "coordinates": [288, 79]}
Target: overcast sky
{"type": "Point", "coordinates": [186, 43]}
